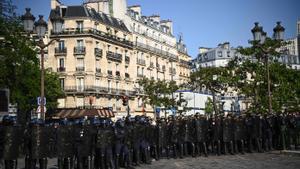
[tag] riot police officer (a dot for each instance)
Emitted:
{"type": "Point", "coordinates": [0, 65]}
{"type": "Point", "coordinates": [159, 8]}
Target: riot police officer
{"type": "Point", "coordinates": [37, 143]}
{"type": "Point", "coordinates": [83, 145]}
{"type": "Point", "coordinates": [200, 134]}
{"type": "Point", "coordinates": [65, 145]}
{"type": "Point", "coordinates": [11, 139]}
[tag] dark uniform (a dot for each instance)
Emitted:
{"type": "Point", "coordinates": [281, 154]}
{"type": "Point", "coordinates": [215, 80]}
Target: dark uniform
{"type": "Point", "coordinates": [173, 132]}
{"type": "Point", "coordinates": [239, 134]}
{"type": "Point", "coordinates": [227, 133]}
{"type": "Point", "coordinates": [38, 142]}
{"type": "Point", "coordinates": [65, 146]}
{"type": "Point", "coordinates": [83, 146]}
{"type": "Point", "coordinates": [104, 139]}
{"type": "Point", "coordinates": [11, 136]}
{"type": "Point", "coordinates": [200, 134]}
{"type": "Point", "coordinates": [215, 135]}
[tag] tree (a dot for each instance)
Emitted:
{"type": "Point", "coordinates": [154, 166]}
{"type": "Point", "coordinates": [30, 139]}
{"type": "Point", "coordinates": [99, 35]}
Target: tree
{"type": "Point", "coordinates": [20, 71]}
{"type": "Point", "coordinates": [209, 107]}
{"type": "Point", "coordinates": [213, 79]}
{"type": "Point", "coordinates": [160, 93]}
{"type": "Point", "coordinates": [252, 82]}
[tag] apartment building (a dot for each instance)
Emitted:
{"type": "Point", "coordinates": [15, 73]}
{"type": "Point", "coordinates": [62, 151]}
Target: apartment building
{"type": "Point", "coordinates": [104, 48]}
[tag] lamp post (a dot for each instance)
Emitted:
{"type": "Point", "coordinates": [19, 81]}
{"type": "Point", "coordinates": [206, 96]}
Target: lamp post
{"type": "Point", "coordinates": [40, 28]}
{"type": "Point", "coordinates": [260, 36]}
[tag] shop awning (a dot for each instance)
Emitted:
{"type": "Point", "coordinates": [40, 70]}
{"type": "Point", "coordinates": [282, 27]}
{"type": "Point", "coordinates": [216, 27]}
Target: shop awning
{"type": "Point", "coordinates": [78, 113]}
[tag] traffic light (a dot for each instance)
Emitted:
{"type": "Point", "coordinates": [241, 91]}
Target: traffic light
{"type": "Point", "coordinates": [125, 101]}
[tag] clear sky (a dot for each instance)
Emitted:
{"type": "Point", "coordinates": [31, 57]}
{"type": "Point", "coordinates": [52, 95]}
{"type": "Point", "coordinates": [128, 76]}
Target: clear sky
{"type": "Point", "coordinates": [206, 22]}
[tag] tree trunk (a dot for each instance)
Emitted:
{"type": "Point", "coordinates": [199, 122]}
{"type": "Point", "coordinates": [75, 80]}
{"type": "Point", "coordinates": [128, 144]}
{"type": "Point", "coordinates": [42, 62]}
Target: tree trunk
{"type": "Point", "coordinates": [214, 103]}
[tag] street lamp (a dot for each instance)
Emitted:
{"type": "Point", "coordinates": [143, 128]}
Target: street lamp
{"type": "Point", "coordinates": [260, 36]}
{"type": "Point", "coordinates": [40, 29]}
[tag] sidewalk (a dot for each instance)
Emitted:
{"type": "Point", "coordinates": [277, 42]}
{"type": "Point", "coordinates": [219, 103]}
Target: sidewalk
{"type": "Point", "coordinates": [290, 152]}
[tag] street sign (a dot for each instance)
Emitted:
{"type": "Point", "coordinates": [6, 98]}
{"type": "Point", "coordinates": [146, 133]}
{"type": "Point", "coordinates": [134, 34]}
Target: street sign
{"type": "Point", "coordinates": [39, 101]}
{"type": "Point", "coordinates": [157, 109]}
{"type": "Point", "coordinates": [38, 110]}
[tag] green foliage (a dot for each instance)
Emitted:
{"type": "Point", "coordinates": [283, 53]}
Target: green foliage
{"type": "Point", "coordinates": [251, 79]}
{"type": "Point", "coordinates": [160, 93]}
{"type": "Point", "coordinates": [20, 71]}
{"type": "Point", "coordinates": [209, 107]}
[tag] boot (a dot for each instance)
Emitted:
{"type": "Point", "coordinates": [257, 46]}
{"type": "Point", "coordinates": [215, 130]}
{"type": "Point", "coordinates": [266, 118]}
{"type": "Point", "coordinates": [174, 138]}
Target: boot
{"type": "Point", "coordinates": [231, 148]}
{"type": "Point", "coordinates": [43, 163]}
{"type": "Point", "coordinates": [198, 152]}
{"type": "Point", "coordinates": [155, 153]}
{"type": "Point", "coordinates": [236, 149]}
{"type": "Point", "coordinates": [69, 163]}
{"type": "Point", "coordinates": [117, 161]}
{"type": "Point", "coordinates": [147, 155]}
{"type": "Point", "coordinates": [219, 148]}
{"type": "Point", "coordinates": [168, 152]}
{"type": "Point", "coordinates": [33, 163]}
{"type": "Point", "coordinates": [101, 162]}
{"type": "Point", "coordinates": [242, 147]}
{"type": "Point", "coordinates": [193, 150]}
{"type": "Point", "coordinates": [204, 149]}
{"type": "Point", "coordinates": [185, 149]}
{"type": "Point", "coordinates": [225, 148]}
{"type": "Point", "coordinates": [174, 151]}
{"type": "Point", "coordinates": [111, 164]}
{"type": "Point", "coordinates": [27, 162]}
{"type": "Point", "coordinates": [181, 150]}
{"type": "Point", "coordinates": [59, 163]}
{"type": "Point", "coordinates": [250, 146]}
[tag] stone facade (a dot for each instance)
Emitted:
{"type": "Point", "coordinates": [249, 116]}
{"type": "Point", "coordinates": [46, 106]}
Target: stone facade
{"type": "Point", "coordinates": [102, 52]}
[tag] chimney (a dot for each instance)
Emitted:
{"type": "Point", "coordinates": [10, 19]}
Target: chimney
{"type": "Point", "coordinates": [136, 8]}
{"type": "Point", "coordinates": [155, 18]}
{"type": "Point", "coordinates": [169, 24]}
{"type": "Point", "coordinates": [55, 3]}
{"type": "Point", "coordinates": [226, 45]}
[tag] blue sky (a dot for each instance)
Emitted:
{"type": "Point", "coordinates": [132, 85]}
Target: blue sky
{"type": "Point", "coordinates": [206, 22]}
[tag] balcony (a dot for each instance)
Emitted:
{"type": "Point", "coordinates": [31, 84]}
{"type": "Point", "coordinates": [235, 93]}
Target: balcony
{"type": "Point", "coordinates": [61, 69]}
{"type": "Point", "coordinates": [109, 73]}
{"type": "Point", "coordinates": [118, 75]}
{"type": "Point", "coordinates": [141, 62]}
{"type": "Point", "coordinates": [60, 51]}
{"type": "Point", "coordinates": [127, 59]}
{"type": "Point", "coordinates": [114, 56]}
{"type": "Point", "coordinates": [156, 50]}
{"type": "Point", "coordinates": [79, 50]}
{"type": "Point", "coordinates": [99, 34]}
{"type": "Point", "coordinates": [80, 69]}
{"type": "Point", "coordinates": [172, 71]}
{"type": "Point", "coordinates": [98, 90]}
{"type": "Point", "coordinates": [98, 52]}
{"type": "Point", "coordinates": [151, 65]}
{"type": "Point", "coordinates": [98, 70]}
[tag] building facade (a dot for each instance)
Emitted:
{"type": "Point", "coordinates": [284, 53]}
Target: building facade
{"type": "Point", "coordinates": [104, 48]}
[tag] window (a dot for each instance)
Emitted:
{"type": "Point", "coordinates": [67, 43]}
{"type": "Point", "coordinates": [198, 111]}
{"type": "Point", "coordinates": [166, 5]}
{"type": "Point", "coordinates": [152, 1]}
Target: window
{"type": "Point", "coordinates": [109, 85]}
{"type": "Point", "coordinates": [140, 102]}
{"type": "Point", "coordinates": [109, 66]}
{"type": "Point", "coordinates": [126, 69]}
{"type": "Point", "coordinates": [117, 85]}
{"type": "Point", "coordinates": [62, 83]}
{"type": "Point", "coordinates": [97, 44]}
{"type": "Point", "coordinates": [117, 67]}
{"type": "Point", "coordinates": [97, 82]}
{"type": "Point", "coordinates": [61, 45]}
{"type": "Point", "coordinates": [228, 53]}
{"type": "Point", "coordinates": [220, 53]}
{"type": "Point", "coordinates": [80, 43]}
{"type": "Point", "coordinates": [80, 84]}
{"type": "Point", "coordinates": [80, 62]}
{"type": "Point", "coordinates": [142, 73]}
{"type": "Point", "coordinates": [61, 62]}
{"type": "Point", "coordinates": [79, 26]}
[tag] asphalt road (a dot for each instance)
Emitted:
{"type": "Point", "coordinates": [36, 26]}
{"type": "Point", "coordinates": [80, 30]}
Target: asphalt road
{"type": "Point", "coordinates": [247, 161]}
